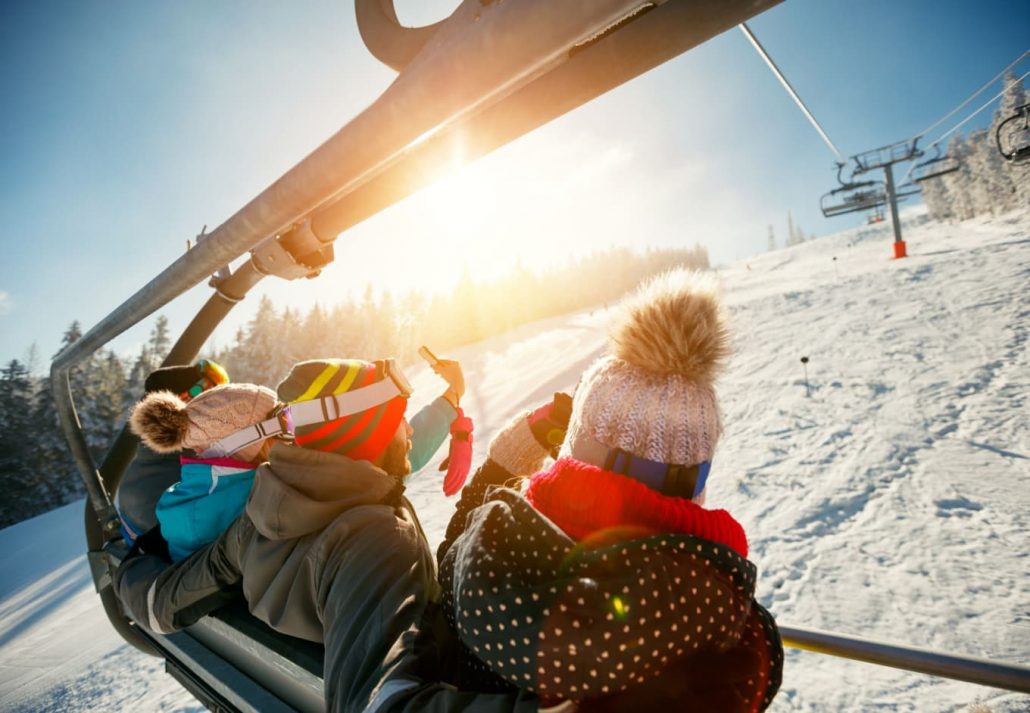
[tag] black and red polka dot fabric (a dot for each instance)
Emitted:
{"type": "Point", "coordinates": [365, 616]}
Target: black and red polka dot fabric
{"type": "Point", "coordinates": [659, 618]}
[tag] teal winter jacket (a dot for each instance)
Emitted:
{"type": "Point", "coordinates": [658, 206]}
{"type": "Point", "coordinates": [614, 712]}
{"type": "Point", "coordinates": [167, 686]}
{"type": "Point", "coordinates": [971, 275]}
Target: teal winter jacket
{"type": "Point", "coordinates": [212, 493]}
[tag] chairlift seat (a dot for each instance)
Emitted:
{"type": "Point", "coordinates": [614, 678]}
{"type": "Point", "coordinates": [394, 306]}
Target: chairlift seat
{"type": "Point", "coordinates": [934, 168]}
{"type": "Point", "coordinates": [852, 198]}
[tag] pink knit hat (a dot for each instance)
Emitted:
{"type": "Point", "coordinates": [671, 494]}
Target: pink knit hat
{"type": "Point", "coordinates": [653, 395]}
{"type": "Point", "coordinates": [167, 424]}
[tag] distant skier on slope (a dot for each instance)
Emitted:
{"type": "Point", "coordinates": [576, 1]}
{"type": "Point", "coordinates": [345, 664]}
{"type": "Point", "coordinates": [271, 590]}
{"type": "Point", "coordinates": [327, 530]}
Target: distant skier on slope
{"type": "Point", "coordinates": [603, 582]}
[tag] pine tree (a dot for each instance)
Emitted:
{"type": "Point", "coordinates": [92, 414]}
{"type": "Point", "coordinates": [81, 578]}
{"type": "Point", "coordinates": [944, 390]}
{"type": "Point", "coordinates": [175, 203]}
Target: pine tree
{"type": "Point", "coordinates": [138, 373]}
{"type": "Point", "coordinates": [104, 407]}
{"type": "Point", "coordinates": [59, 480]}
{"type": "Point", "coordinates": [386, 327]}
{"type": "Point", "coordinates": [959, 182]}
{"type": "Point", "coordinates": [160, 342]}
{"type": "Point", "coordinates": [33, 361]}
{"type": "Point", "coordinates": [1013, 177]}
{"type": "Point", "coordinates": [255, 357]}
{"type": "Point", "coordinates": [935, 198]}
{"type": "Point", "coordinates": [19, 474]}
{"type": "Point", "coordinates": [772, 239]}
{"type": "Point", "coordinates": [794, 235]}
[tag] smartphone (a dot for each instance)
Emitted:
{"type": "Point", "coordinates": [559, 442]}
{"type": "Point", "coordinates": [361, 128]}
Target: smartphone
{"type": "Point", "coordinates": [424, 352]}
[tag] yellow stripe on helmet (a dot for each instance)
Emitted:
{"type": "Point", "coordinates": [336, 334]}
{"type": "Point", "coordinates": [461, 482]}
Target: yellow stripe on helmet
{"type": "Point", "coordinates": [318, 383]}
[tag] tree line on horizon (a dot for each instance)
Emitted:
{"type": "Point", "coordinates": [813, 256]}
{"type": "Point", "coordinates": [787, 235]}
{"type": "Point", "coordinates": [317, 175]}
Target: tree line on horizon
{"type": "Point", "coordinates": [985, 183]}
{"type": "Point", "coordinates": [37, 473]}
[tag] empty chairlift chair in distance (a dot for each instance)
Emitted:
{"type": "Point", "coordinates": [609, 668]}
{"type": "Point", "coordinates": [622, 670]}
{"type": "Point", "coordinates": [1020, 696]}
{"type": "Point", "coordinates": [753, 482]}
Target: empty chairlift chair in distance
{"type": "Point", "coordinates": [939, 165]}
{"type": "Point", "coordinates": [852, 196]}
{"type": "Point", "coordinates": [1013, 135]}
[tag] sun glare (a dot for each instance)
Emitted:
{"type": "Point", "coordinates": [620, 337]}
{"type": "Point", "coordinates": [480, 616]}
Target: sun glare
{"type": "Point", "coordinates": [463, 203]}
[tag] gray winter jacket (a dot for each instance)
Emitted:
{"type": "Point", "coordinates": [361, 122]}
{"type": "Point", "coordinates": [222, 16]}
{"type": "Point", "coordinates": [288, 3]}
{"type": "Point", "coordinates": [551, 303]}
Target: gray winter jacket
{"type": "Point", "coordinates": [146, 478]}
{"type": "Point", "coordinates": [327, 550]}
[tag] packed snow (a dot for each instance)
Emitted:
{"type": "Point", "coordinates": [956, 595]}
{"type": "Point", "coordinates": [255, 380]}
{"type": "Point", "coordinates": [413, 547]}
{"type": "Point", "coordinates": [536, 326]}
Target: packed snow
{"type": "Point", "coordinates": [884, 493]}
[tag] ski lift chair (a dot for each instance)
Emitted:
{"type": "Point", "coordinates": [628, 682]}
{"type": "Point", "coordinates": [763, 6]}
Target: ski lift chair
{"type": "Point", "coordinates": [1013, 135]}
{"type": "Point", "coordinates": [555, 57]}
{"type": "Point", "coordinates": [852, 196]}
{"type": "Point", "coordinates": [874, 216]}
{"type": "Point", "coordinates": [939, 165]}
{"type": "Point", "coordinates": [853, 199]}
{"type": "Point", "coordinates": [561, 55]}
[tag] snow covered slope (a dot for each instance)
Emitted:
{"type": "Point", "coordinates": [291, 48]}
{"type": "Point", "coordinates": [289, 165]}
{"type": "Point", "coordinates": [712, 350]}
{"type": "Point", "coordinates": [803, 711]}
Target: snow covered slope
{"type": "Point", "coordinates": [890, 502]}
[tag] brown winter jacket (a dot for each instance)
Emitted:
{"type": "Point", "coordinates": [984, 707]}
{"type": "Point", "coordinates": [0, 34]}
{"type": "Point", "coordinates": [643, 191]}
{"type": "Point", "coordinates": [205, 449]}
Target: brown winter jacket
{"type": "Point", "coordinates": [328, 550]}
{"type": "Point", "coordinates": [312, 514]}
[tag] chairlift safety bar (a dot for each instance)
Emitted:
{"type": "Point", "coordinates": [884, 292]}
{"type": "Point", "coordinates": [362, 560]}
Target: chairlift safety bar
{"type": "Point", "coordinates": [1012, 677]}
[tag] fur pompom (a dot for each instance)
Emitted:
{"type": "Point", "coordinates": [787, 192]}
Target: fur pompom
{"type": "Point", "coordinates": [673, 324]}
{"type": "Point", "coordinates": [161, 422]}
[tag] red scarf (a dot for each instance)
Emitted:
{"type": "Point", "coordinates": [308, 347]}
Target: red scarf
{"type": "Point", "coordinates": [584, 500]}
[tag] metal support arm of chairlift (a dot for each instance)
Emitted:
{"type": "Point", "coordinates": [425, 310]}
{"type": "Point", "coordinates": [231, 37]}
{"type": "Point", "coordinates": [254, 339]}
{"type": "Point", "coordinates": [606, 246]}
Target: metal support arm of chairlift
{"type": "Point", "coordinates": [518, 65]}
{"type": "Point", "coordinates": [884, 157]}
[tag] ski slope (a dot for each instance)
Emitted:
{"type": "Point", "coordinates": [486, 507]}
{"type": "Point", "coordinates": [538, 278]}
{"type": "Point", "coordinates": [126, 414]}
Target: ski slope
{"type": "Point", "coordinates": [890, 501]}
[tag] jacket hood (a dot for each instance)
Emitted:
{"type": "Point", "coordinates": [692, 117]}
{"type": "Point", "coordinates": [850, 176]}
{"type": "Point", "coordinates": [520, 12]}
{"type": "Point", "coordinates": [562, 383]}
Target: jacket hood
{"type": "Point", "coordinates": [616, 617]}
{"type": "Point", "coordinates": [300, 491]}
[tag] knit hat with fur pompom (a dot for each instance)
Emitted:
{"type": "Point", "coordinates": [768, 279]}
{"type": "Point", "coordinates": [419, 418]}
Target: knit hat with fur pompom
{"type": "Point", "coordinates": [653, 396]}
{"type": "Point", "coordinates": [167, 424]}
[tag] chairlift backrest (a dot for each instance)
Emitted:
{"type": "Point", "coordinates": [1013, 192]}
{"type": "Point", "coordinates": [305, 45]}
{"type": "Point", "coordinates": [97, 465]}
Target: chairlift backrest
{"type": "Point", "coordinates": [1013, 136]}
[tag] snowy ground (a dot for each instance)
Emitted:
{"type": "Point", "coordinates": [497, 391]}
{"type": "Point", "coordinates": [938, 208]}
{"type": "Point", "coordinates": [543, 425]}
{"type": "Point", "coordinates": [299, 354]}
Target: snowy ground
{"type": "Point", "coordinates": [891, 502]}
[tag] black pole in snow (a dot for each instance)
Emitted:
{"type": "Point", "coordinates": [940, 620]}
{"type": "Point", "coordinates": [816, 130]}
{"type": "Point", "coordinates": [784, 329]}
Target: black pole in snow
{"type": "Point", "coordinates": [804, 362]}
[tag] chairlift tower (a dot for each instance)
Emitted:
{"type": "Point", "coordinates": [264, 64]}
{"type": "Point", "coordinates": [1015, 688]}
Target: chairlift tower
{"type": "Point", "coordinates": [885, 157]}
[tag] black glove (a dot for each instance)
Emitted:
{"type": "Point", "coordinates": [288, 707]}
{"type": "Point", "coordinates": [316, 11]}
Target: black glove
{"type": "Point", "coordinates": [550, 422]}
{"type": "Point", "coordinates": [151, 542]}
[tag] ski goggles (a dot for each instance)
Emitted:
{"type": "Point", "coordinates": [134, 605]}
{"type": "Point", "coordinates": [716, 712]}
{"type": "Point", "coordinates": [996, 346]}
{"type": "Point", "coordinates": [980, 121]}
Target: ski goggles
{"type": "Point", "coordinates": [211, 375]}
{"type": "Point", "coordinates": [288, 417]}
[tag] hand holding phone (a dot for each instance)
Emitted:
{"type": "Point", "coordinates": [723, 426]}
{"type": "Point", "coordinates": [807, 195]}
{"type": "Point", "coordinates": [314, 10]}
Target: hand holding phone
{"type": "Point", "coordinates": [424, 352]}
{"type": "Point", "coordinates": [448, 370]}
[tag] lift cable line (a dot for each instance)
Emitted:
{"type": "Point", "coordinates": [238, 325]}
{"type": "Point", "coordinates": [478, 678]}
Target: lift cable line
{"type": "Point", "coordinates": [786, 85]}
{"type": "Point", "coordinates": [971, 97]}
{"type": "Point", "coordinates": [969, 118]}
{"type": "Point", "coordinates": [986, 104]}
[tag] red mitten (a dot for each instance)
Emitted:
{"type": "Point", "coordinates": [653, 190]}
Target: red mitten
{"type": "Point", "coordinates": [459, 458]}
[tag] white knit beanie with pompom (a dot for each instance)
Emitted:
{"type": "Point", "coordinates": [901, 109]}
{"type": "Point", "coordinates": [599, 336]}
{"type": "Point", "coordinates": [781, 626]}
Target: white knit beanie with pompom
{"type": "Point", "coordinates": [167, 424]}
{"type": "Point", "coordinates": [653, 396]}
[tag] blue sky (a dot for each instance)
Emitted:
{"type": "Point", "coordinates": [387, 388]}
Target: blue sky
{"type": "Point", "coordinates": [130, 125]}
